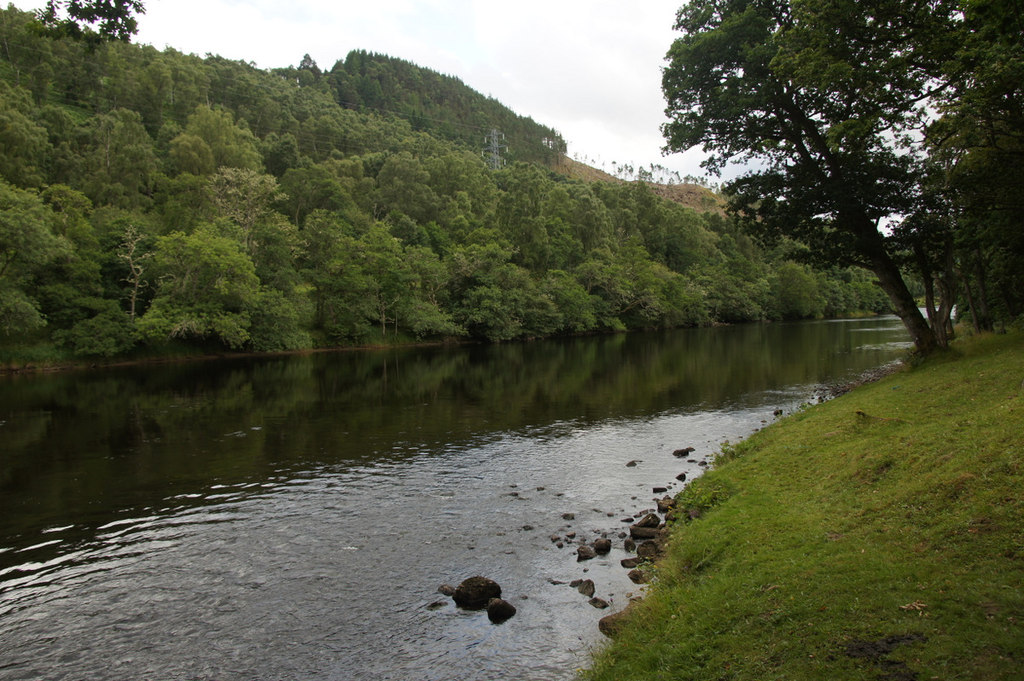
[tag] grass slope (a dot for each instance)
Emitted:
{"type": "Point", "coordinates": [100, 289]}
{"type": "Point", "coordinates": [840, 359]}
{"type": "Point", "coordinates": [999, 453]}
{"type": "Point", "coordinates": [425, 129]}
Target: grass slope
{"type": "Point", "coordinates": [877, 536]}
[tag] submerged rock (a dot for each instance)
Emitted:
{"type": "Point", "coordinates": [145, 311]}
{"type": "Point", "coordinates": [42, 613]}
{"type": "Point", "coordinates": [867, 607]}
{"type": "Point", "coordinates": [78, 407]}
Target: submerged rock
{"type": "Point", "coordinates": [475, 592]}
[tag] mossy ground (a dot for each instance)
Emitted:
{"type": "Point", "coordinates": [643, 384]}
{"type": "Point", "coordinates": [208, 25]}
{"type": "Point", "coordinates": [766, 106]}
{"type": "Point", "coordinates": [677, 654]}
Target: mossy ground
{"type": "Point", "coordinates": [877, 536]}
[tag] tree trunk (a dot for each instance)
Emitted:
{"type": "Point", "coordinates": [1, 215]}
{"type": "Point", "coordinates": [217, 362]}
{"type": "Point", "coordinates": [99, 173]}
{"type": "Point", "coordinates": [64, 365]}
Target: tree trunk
{"type": "Point", "coordinates": [982, 298]}
{"type": "Point", "coordinates": [975, 319]}
{"type": "Point", "coordinates": [891, 281]}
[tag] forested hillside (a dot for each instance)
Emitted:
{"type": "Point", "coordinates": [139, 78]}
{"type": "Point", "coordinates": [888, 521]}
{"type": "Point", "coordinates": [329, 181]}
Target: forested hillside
{"type": "Point", "coordinates": [151, 200]}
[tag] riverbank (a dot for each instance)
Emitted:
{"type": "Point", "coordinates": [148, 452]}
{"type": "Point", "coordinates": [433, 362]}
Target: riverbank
{"type": "Point", "coordinates": [879, 535]}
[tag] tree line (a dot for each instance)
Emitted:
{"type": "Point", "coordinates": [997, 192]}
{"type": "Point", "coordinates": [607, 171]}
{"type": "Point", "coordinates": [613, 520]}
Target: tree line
{"type": "Point", "coordinates": [151, 199]}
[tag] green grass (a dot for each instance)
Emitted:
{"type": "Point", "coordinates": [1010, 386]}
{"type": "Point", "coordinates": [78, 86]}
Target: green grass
{"type": "Point", "coordinates": [877, 536]}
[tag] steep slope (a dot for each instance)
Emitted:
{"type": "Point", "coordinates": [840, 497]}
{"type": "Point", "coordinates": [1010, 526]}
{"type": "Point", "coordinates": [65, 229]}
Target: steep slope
{"type": "Point", "coordinates": [439, 104]}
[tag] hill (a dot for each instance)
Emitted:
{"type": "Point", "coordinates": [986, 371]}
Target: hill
{"type": "Point", "coordinates": [432, 102]}
{"type": "Point", "coordinates": [693, 196]}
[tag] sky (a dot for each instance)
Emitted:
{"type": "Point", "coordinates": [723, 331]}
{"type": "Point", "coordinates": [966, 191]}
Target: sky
{"type": "Point", "coordinates": [590, 69]}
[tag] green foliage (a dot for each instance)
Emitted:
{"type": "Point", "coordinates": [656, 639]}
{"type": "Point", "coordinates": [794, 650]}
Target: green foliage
{"type": "Point", "coordinates": [27, 245]}
{"type": "Point", "coordinates": [23, 142]}
{"type": "Point", "coordinates": [830, 100]}
{"type": "Point", "coordinates": [208, 289]}
{"type": "Point", "coordinates": [207, 202]}
{"type": "Point", "coordinates": [113, 20]}
{"type": "Point", "coordinates": [108, 334]}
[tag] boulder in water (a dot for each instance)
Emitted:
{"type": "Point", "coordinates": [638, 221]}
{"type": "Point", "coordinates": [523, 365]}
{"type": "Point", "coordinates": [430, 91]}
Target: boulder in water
{"type": "Point", "coordinates": [475, 592]}
{"type": "Point", "coordinates": [499, 610]}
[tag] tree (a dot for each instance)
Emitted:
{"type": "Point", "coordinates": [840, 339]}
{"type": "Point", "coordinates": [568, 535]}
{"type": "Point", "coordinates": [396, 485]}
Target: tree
{"type": "Point", "coordinates": [208, 289]}
{"type": "Point", "coordinates": [826, 100]}
{"type": "Point", "coordinates": [980, 142]}
{"type": "Point", "coordinates": [23, 143]}
{"type": "Point", "coordinates": [134, 258]}
{"type": "Point", "coordinates": [213, 134]}
{"type": "Point", "coordinates": [27, 243]}
{"type": "Point", "coordinates": [113, 19]}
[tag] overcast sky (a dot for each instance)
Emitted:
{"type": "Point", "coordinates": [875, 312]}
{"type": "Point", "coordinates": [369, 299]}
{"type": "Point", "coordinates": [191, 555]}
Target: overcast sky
{"type": "Point", "coordinates": [591, 69]}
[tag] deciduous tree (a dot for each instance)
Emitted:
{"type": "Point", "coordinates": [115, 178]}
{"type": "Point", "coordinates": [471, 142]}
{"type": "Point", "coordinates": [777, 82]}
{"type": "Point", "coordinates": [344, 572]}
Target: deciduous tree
{"type": "Point", "coordinates": [826, 101]}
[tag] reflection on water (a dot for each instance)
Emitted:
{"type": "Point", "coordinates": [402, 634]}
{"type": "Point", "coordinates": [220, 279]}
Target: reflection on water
{"type": "Point", "coordinates": [293, 517]}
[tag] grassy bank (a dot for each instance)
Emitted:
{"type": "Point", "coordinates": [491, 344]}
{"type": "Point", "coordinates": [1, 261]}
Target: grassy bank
{"type": "Point", "coordinates": [876, 536]}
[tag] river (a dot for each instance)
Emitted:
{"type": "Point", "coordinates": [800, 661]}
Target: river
{"type": "Point", "coordinates": [293, 517]}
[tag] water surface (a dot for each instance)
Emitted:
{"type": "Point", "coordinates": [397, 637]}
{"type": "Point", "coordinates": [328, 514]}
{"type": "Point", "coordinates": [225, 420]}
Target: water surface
{"type": "Point", "coordinates": [293, 517]}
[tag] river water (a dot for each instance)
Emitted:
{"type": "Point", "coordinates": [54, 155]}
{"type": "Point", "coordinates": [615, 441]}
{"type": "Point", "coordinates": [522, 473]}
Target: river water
{"type": "Point", "coordinates": [293, 517]}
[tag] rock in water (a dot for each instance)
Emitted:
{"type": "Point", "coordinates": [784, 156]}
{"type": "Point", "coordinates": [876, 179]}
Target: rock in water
{"type": "Point", "coordinates": [475, 592]}
{"type": "Point", "coordinates": [585, 553]}
{"type": "Point", "coordinates": [602, 546]}
{"type": "Point", "coordinates": [637, 576]}
{"type": "Point", "coordinates": [498, 610]}
{"type": "Point", "coordinates": [586, 587]}
{"type": "Point", "coordinates": [682, 452]}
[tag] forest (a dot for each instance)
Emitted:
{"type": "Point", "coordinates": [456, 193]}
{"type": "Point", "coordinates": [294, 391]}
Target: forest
{"type": "Point", "coordinates": [154, 202]}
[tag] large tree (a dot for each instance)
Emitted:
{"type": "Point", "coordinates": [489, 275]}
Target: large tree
{"type": "Point", "coordinates": [825, 101]}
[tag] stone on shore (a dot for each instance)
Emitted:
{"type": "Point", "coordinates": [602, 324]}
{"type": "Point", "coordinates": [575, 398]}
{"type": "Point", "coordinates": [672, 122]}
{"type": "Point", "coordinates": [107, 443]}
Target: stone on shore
{"type": "Point", "coordinates": [612, 625]}
{"type": "Point", "coordinates": [637, 532]}
{"type": "Point", "coordinates": [649, 520]}
{"type": "Point", "coordinates": [648, 550]}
